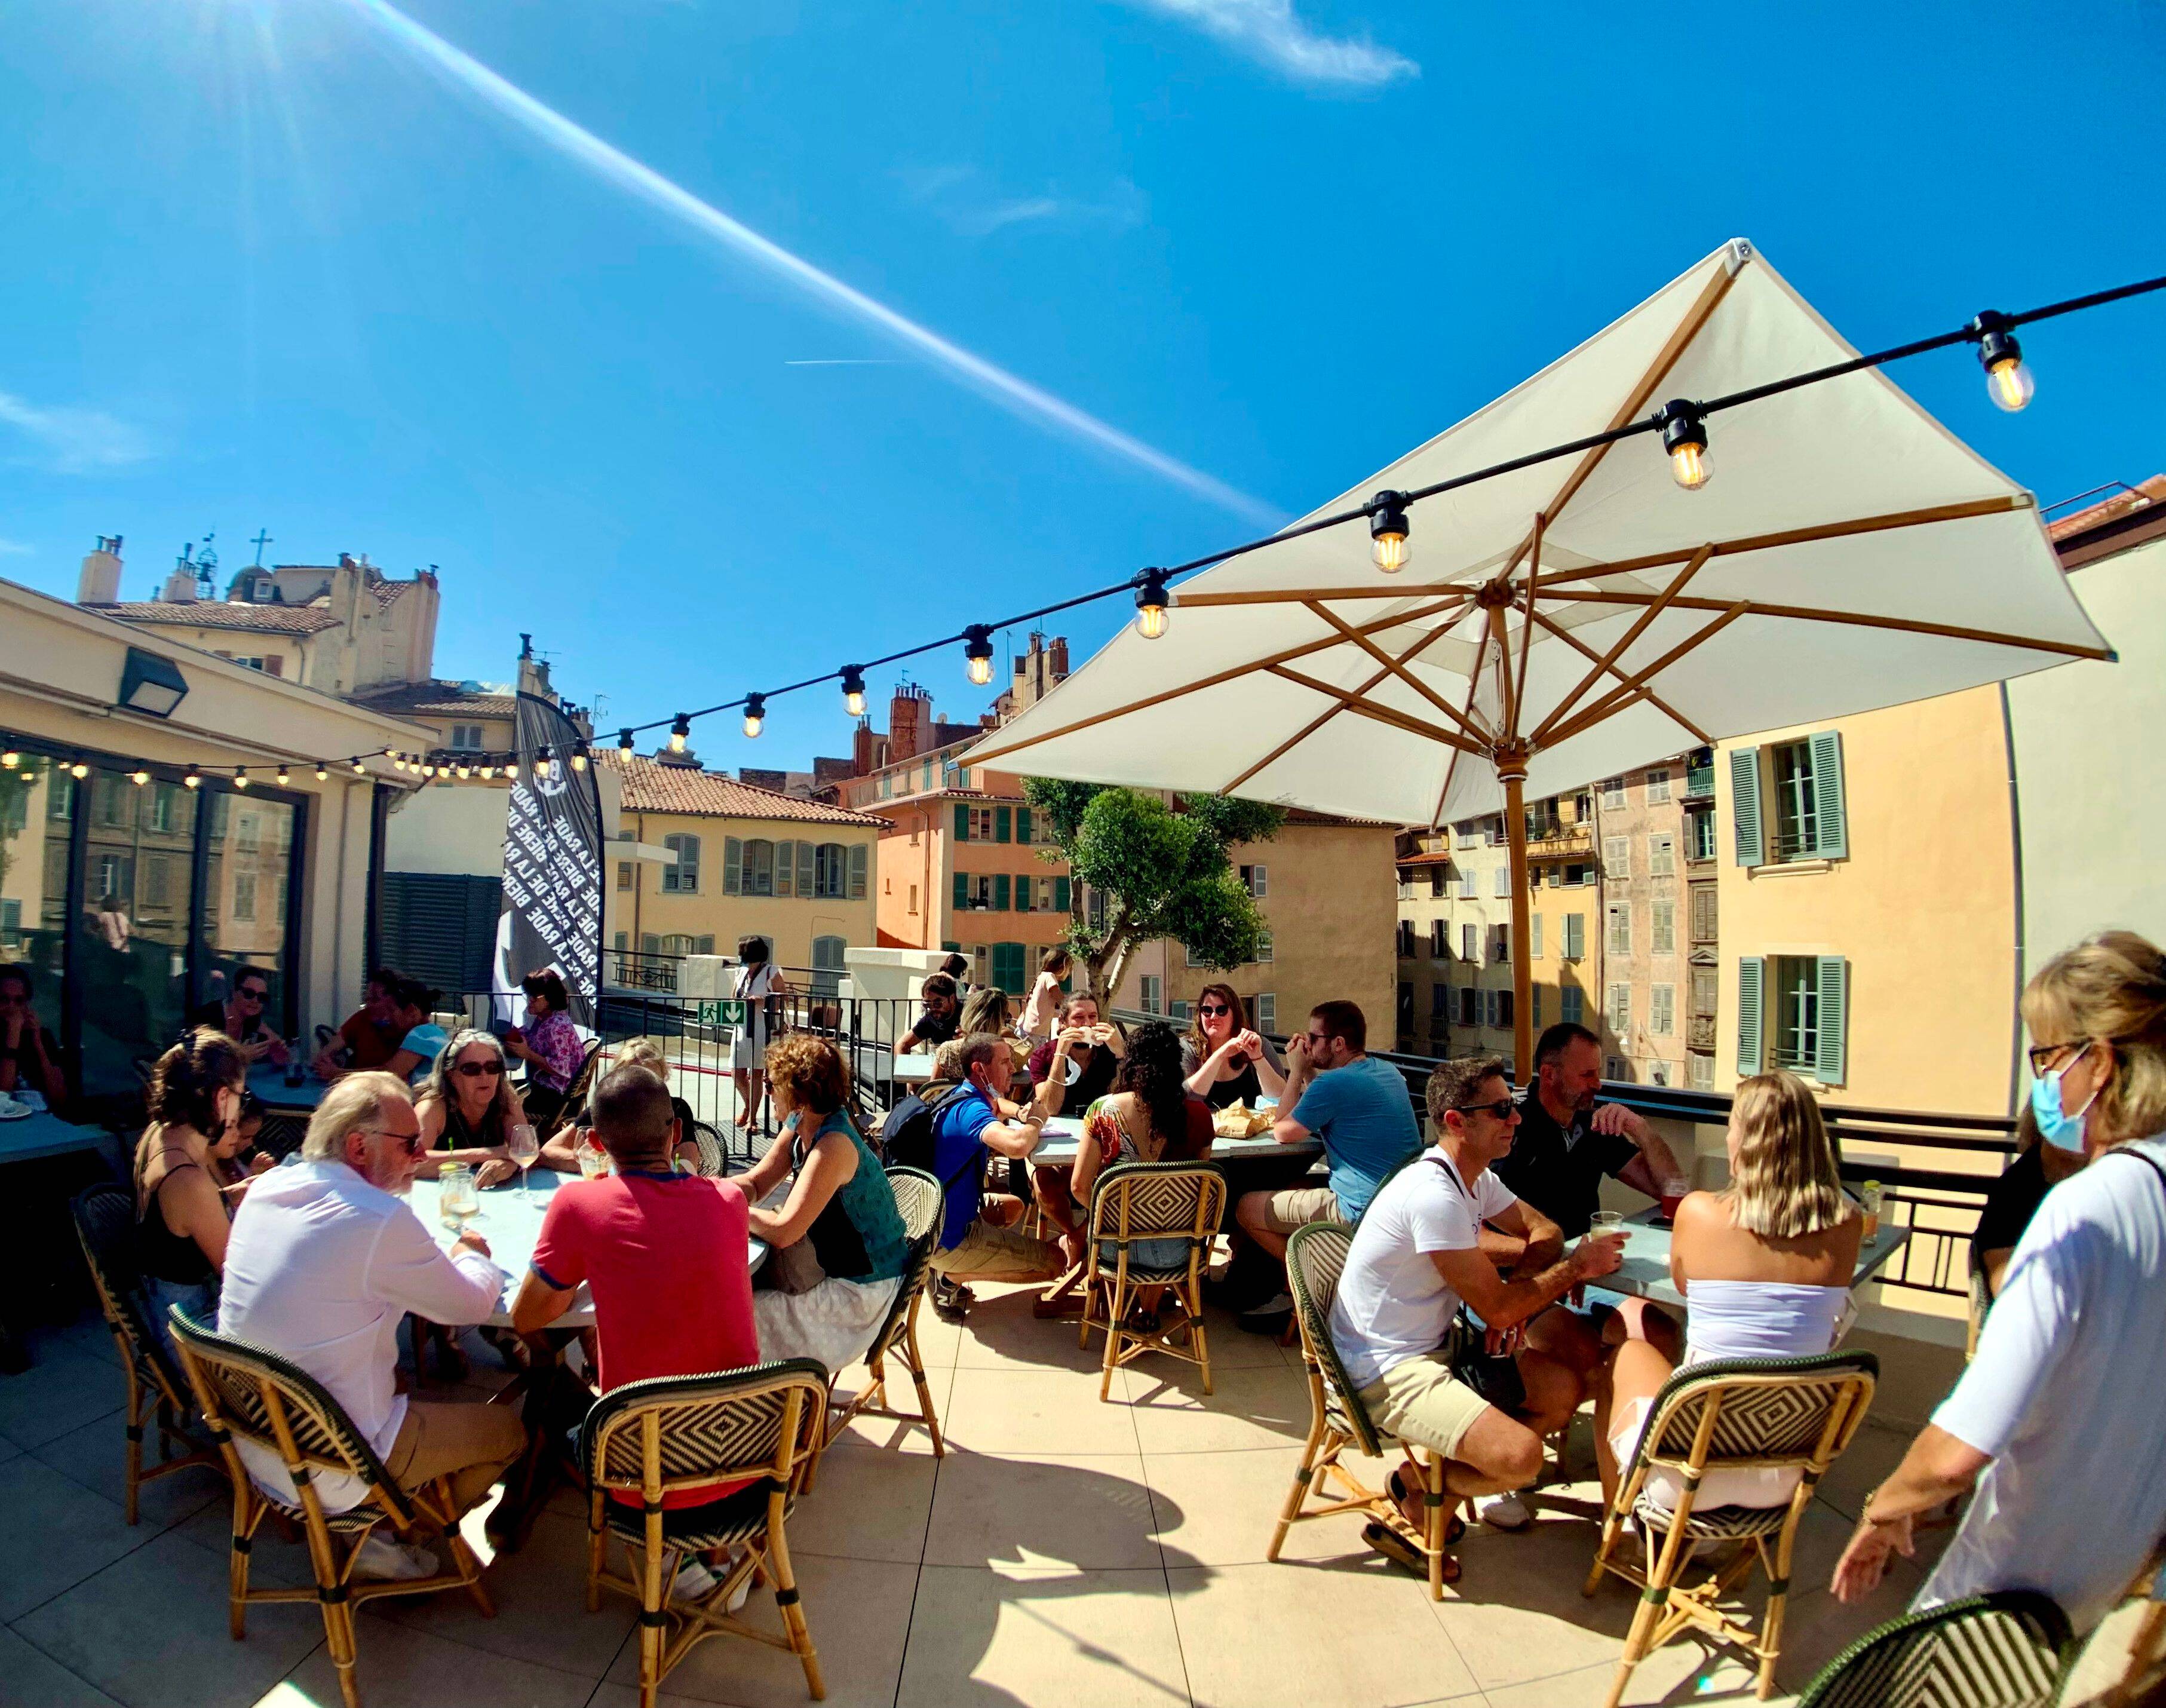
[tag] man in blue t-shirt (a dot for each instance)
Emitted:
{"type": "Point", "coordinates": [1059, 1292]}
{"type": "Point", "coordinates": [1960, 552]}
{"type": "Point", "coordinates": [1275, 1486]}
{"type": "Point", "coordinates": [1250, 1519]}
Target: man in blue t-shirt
{"type": "Point", "coordinates": [1358, 1106]}
{"type": "Point", "coordinates": [978, 1234]}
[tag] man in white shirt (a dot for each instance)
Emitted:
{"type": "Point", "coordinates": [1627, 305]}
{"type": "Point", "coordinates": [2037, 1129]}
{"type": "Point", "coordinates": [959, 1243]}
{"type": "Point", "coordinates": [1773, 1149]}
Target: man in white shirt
{"type": "Point", "coordinates": [1416, 1254]}
{"type": "Point", "coordinates": [325, 1259]}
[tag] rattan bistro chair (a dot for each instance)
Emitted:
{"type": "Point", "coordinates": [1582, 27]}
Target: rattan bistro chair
{"type": "Point", "coordinates": [714, 1156]}
{"type": "Point", "coordinates": [1728, 1414]}
{"type": "Point", "coordinates": [674, 1433]}
{"type": "Point", "coordinates": [105, 1223]}
{"type": "Point", "coordinates": [254, 1397]}
{"type": "Point", "coordinates": [1315, 1259]}
{"type": "Point", "coordinates": [1132, 1202]}
{"type": "Point", "coordinates": [2006, 1650]}
{"type": "Point", "coordinates": [918, 1198]}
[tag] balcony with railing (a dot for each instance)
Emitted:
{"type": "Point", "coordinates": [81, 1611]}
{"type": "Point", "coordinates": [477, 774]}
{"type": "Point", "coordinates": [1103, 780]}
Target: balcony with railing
{"type": "Point", "coordinates": [1555, 839]}
{"type": "Point", "coordinates": [1700, 782]}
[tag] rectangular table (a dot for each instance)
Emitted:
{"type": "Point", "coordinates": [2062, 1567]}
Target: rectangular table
{"type": "Point", "coordinates": [1646, 1271]}
{"type": "Point", "coordinates": [29, 1137]}
{"type": "Point", "coordinates": [1064, 1138]}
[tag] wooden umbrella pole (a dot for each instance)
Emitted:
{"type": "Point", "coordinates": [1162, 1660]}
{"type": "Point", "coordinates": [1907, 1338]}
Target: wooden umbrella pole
{"type": "Point", "coordinates": [1511, 758]}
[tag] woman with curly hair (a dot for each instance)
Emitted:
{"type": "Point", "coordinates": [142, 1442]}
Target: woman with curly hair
{"type": "Point", "coordinates": [1149, 1115]}
{"type": "Point", "coordinates": [840, 1208]}
{"type": "Point", "coordinates": [182, 1216]}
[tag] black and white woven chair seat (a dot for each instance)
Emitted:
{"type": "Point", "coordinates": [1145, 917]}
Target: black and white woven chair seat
{"type": "Point", "coordinates": [1714, 1523]}
{"type": "Point", "coordinates": [2005, 1650]}
{"type": "Point", "coordinates": [738, 1517]}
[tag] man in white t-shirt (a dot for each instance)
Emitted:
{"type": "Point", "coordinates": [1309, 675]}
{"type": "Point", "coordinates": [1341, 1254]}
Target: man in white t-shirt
{"type": "Point", "coordinates": [1416, 1255]}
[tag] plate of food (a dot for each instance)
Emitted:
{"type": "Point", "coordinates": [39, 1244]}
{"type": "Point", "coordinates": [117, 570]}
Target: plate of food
{"type": "Point", "coordinates": [11, 1110]}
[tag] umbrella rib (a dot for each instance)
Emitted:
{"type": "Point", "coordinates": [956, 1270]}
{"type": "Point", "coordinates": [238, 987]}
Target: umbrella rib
{"type": "Point", "coordinates": [1360, 707]}
{"type": "Point", "coordinates": [1001, 749]}
{"type": "Point", "coordinates": [1643, 692]}
{"type": "Point", "coordinates": [1638, 627]}
{"type": "Point", "coordinates": [1451, 766]}
{"type": "Point", "coordinates": [1527, 628]}
{"type": "Point", "coordinates": [1633, 685]}
{"type": "Point", "coordinates": [1853, 619]}
{"type": "Point", "coordinates": [1393, 667]}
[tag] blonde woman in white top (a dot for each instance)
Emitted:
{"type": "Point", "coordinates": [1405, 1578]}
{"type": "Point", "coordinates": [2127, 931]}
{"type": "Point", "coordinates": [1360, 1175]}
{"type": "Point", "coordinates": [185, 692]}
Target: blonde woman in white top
{"type": "Point", "coordinates": [1043, 1008]}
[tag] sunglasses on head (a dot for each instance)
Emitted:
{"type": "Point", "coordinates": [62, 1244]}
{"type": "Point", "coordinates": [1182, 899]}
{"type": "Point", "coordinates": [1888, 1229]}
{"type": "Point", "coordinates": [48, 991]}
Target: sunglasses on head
{"type": "Point", "coordinates": [1501, 1109]}
{"type": "Point", "coordinates": [475, 1070]}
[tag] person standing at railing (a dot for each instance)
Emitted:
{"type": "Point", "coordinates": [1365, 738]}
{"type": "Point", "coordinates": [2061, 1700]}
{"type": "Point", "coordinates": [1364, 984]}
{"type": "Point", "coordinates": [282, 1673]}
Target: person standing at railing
{"type": "Point", "coordinates": [757, 983]}
{"type": "Point", "coordinates": [2055, 1423]}
{"type": "Point", "coordinates": [1043, 1008]}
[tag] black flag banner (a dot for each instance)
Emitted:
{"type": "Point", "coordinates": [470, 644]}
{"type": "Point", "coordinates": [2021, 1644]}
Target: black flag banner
{"type": "Point", "coordinates": [553, 868]}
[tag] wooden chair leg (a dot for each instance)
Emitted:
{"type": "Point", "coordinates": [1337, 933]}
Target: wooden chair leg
{"type": "Point", "coordinates": [924, 1388]}
{"type": "Point", "coordinates": [1194, 1305]}
{"type": "Point", "coordinates": [597, 1551]}
{"type": "Point", "coordinates": [339, 1630]}
{"type": "Point", "coordinates": [236, 1570]}
{"type": "Point", "coordinates": [1298, 1491]}
{"type": "Point", "coordinates": [1116, 1307]}
{"type": "Point", "coordinates": [1635, 1643]}
{"type": "Point", "coordinates": [787, 1599]}
{"type": "Point", "coordinates": [1438, 1516]}
{"type": "Point", "coordinates": [137, 1413]}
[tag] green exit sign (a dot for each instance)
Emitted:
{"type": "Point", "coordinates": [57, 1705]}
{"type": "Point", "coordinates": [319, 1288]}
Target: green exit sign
{"type": "Point", "coordinates": [730, 1010]}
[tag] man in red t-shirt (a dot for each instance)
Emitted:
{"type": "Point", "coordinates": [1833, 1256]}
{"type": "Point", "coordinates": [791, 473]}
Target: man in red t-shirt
{"type": "Point", "coordinates": [662, 1253]}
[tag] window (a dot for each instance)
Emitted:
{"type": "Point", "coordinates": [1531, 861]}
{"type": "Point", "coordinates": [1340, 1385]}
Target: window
{"type": "Point", "coordinates": [1534, 944]}
{"type": "Point", "coordinates": [1503, 881]}
{"type": "Point", "coordinates": [1662, 926]}
{"type": "Point", "coordinates": [1534, 1007]}
{"type": "Point", "coordinates": [1439, 939]}
{"type": "Point", "coordinates": [829, 959]}
{"type": "Point", "coordinates": [1578, 872]}
{"type": "Point", "coordinates": [758, 868]}
{"type": "Point", "coordinates": [113, 873]}
{"type": "Point", "coordinates": [1440, 1001]}
{"type": "Point", "coordinates": [913, 899]}
{"type": "Point", "coordinates": [1699, 835]}
{"type": "Point", "coordinates": [1663, 1011]}
{"type": "Point", "coordinates": [980, 821]}
{"type": "Point", "coordinates": [166, 815]}
{"type": "Point", "coordinates": [1465, 885]}
{"type": "Point", "coordinates": [1466, 950]}
{"type": "Point", "coordinates": [1179, 1011]}
{"type": "Point", "coordinates": [1008, 968]}
{"type": "Point", "coordinates": [1096, 911]}
{"type": "Point", "coordinates": [1706, 989]}
{"type": "Point", "coordinates": [158, 880]}
{"type": "Point", "coordinates": [1699, 1072]}
{"type": "Point", "coordinates": [244, 896]}
{"type": "Point", "coordinates": [1406, 886]}
{"type": "Point", "coordinates": [831, 870]}
{"type": "Point", "coordinates": [1616, 1068]}
{"type": "Point", "coordinates": [1620, 1010]}
{"type": "Point", "coordinates": [1152, 998]}
{"type": "Point", "coordinates": [1489, 1009]}
{"type": "Point", "coordinates": [1702, 913]}
{"type": "Point", "coordinates": [1265, 948]}
{"type": "Point", "coordinates": [1406, 940]}
{"type": "Point", "coordinates": [1572, 1005]}
{"type": "Point", "coordinates": [1436, 883]}
{"type": "Point", "coordinates": [625, 875]}
{"type": "Point", "coordinates": [1617, 856]}
{"type": "Point", "coordinates": [1797, 813]}
{"type": "Point", "coordinates": [1810, 819]}
{"type": "Point", "coordinates": [1613, 792]}
{"type": "Point", "coordinates": [1500, 944]}
{"type": "Point", "coordinates": [974, 892]}
{"type": "Point", "coordinates": [682, 875]}
{"type": "Point", "coordinates": [1797, 1013]}
{"type": "Point", "coordinates": [248, 834]}
{"type": "Point", "coordinates": [917, 825]}
{"type": "Point", "coordinates": [1263, 1011]}
{"type": "Point", "coordinates": [1575, 937]}
{"type": "Point", "coordinates": [1470, 1002]}
{"type": "Point", "coordinates": [1790, 1014]}
{"type": "Point", "coordinates": [1504, 1009]}
{"type": "Point", "coordinates": [466, 739]}
{"type": "Point", "coordinates": [1661, 856]}
{"type": "Point", "coordinates": [1618, 938]}
{"type": "Point", "coordinates": [1256, 879]}
{"type": "Point", "coordinates": [1406, 1011]}
{"type": "Point", "coordinates": [1658, 785]}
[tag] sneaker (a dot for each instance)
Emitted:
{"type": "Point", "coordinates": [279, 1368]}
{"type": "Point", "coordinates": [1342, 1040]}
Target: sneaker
{"type": "Point", "coordinates": [379, 1556]}
{"type": "Point", "coordinates": [951, 1300]}
{"type": "Point", "coordinates": [1269, 1317]}
{"type": "Point", "coordinates": [1503, 1511]}
{"type": "Point", "coordinates": [696, 1582]}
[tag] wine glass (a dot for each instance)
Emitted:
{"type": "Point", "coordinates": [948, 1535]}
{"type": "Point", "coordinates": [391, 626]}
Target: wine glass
{"type": "Point", "coordinates": [524, 1148]}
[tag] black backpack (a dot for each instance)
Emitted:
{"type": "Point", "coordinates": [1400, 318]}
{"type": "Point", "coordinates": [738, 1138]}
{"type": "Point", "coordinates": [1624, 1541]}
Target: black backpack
{"type": "Point", "coordinates": [906, 1139]}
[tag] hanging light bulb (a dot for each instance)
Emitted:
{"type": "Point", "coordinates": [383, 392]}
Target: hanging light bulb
{"type": "Point", "coordinates": [579, 757]}
{"type": "Point", "coordinates": [755, 708]}
{"type": "Point", "coordinates": [978, 652]}
{"type": "Point", "coordinates": [428, 771]}
{"type": "Point", "coordinates": [2008, 380]}
{"type": "Point", "coordinates": [623, 743]}
{"type": "Point", "coordinates": [285, 776]}
{"type": "Point", "coordinates": [322, 773]}
{"type": "Point", "coordinates": [78, 770]}
{"type": "Point", "coordinates": [1388, 530]}
{"type": "Point", "coordinates": [360, 769]}
{"type": "Point", "coordinates": [466, 770]}
{"type": "Point", "coordinates": [240, 776]}
{"type": "Point", "coordinates": [1150, 604]}
{"type": "Point", "coordinates": [191, 778]}
{"type": "Point", "coordinates": [10, 760]}
{"type": "Point", "coordinates": [1684, 437]}
{"type": "Point", "coordinates": [680, 732]}
{"type": "Point", "coordinates": [138, 776]}
{"type": "Point", "coordinates": [511, 769]}
{"type": "Point", "coordinates": [487, 773]}
{"type": "Point", "coordinates": [853, 690]}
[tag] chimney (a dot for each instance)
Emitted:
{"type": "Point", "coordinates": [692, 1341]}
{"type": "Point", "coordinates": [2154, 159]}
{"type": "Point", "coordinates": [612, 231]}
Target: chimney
{"type": "Point", "coordinates": [100, 584]}
{"type": "Point", "coordinates": [904, 731]}
{"type": "Point", "coordinates": [180, 587]}
{"type": "Point", "coordinates": [1057, 660]}
{"type": "Point", "coordinates": [861, 751]}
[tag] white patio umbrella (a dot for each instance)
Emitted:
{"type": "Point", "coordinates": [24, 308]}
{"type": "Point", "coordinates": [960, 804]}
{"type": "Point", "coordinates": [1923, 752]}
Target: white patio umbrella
{"type": "Point", "coordinates": [1574, 618]}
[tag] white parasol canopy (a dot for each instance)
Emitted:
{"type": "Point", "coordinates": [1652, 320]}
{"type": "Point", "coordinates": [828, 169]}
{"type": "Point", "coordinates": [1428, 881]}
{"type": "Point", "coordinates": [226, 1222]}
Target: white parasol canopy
{"type": "Point", "coordinates": [1577, 617]}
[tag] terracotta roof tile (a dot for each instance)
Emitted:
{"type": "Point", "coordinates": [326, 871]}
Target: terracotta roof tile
{"type": "Point", "coordinates": [650, 786]}
{"type": "Point", "coordinates": [448, 697]}
{"type": "Point", "coordinates": [216, 614]}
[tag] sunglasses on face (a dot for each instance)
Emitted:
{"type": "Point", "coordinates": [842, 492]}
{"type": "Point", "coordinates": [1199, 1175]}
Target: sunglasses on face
{"type": "Point", "coordinates": [410, 1142]}
{"type": "Point", "coordinates": [249, 993]}
{"type": "Point", "coordinates": [1212, 1008]}
{"type": "Point", "coordinates": [475, 1070]}
{"type": "Point", "coordinates": [1501, 1109]}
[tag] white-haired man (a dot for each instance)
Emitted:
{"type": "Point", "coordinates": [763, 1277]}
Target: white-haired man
{"type": "Point", "coordinates": [325, 1259]}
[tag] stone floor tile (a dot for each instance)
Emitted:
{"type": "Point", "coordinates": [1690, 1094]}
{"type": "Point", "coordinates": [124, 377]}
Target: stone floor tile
{"type": "Point", "coordinates": [904, 1435]}
{"type": "Point", "coordinates": [859, 1611]}
{"type": "Point", "coordinates": [1089, 1514]}
{"type": "Point", "coordinates": [1683, 1673]}
{"type": "Point", "coordinates": [99, 1630]}
{"type": "Point", "coordinates": [1037, 1411]}
{"type": "Point", "coordinates": [63, 1390]}
{"type": "Point", "coordinates": [1873, 1453]}
{"type": "Point", "coordinates": [1517, 1612]}
{"type": "Point", "coordinates": [54, 1534]}
{"type": "Point", "coordinates": [1255, 1408]}
{"type": "Point", "coordinates": [868, 1505]}
{"type": "Point", "coordinates": [421, 1671]}
{"type": "Point", "coordinates": [95, 1455]}
{"type": "Point", "coordinates": [1220, 1508]}
{"type": "Point", "coordinates": [29, 1679]}
{"type": "Point", "coordinates": [993, 1639]}
{"type": "Point", "coordinates": [1357, 1634]}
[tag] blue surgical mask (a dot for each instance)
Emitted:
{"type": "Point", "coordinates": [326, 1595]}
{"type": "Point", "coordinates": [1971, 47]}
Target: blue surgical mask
{"type": "Point", "coordinates": [2058, 1128]}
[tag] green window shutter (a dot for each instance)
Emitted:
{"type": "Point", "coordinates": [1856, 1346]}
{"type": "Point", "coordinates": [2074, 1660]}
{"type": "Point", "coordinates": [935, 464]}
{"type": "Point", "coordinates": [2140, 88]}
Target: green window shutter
{"type": "Point", "coordinates": [1023, 893]}
{"type": "Point", "coordinates": [1000, 892]}
{"type": "Point", "coordinates": [785, 868]}
{"type": "Point", "coordinates": [1575, 936]}
{"type": "Point", "coordinates": [1834, 832]}
{"type": "Point", "coordinates": [1000, 824]}
{"type": "Point", "coordinates": [962, 822]}
{"type": "Point", "coordinates": [732, 866]}
{"type": "Point", "coordinates": [1751, 978]}
{"type": "Point", "coordinates": [1022, 825]}
{"type": "Point", "coordinates": [1060, 895]}
{"type": "Point", "coordinates": [1007, 967]}
{"type": "Point", "coordinates": [859, 856]}
{"type": "Point", "coordinates": [1745, 809]}
{"type": "Point", "coordinates": [962, 891]}
{"type": "Point", "coordinates": [1835, 1009]}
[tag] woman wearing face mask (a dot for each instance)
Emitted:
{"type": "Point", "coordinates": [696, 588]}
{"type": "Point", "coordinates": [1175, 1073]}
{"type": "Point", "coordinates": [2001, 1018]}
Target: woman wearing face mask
{"type": "Point", "coordinates": [2056, 1421]}
{"type": "Point", "coordinates": [181, 1215]}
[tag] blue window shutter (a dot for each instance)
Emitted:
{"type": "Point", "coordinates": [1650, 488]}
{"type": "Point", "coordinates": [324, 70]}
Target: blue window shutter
{"type": "Point", "coordinates": [1835, 1009]}
{"type": "Point", "coordinates": [962, 891]}
{"type": "Point", "coordinates": [1061, 896]}
{"type": "Point", "coordinates": [1833, 830]}
{"type": "Point", "coordinates": [1000, 824]}
{"type": "Point", "coordinates": [1751, 978]}
{"type": "Point", "coordinates": [1000, 892]}
{"type": "Point", "coordinates": [732, 866]}
{"type": "Point", "coordinates": [1022, 825]}
{"type": "Point", "coordinates": [962, 822]}
{"type": "Point", "coordinates": [1745, 809]}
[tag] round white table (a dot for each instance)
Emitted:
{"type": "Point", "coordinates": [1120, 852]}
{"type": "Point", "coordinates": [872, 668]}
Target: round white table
{"type": "Point", "coordinates": [511, 1223]}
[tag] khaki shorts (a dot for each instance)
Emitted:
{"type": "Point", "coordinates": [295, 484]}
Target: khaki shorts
{"type": "Point", "coordinates": [1420, 1401]}
{"type": "Point", "coordinates": [1296, 1207]}
{"type": "Point", "coordinates": [988, 1253]}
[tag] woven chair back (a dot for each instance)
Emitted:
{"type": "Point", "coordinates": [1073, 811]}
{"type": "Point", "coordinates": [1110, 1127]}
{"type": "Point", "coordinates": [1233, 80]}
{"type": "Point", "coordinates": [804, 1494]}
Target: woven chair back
{"type": "Point", "coordinates": [917, 1199]}
{"type": "Point", "coordinates": [1767, 1412]}
{"type": "Point", "coordinates": [2006, 1650]}
{"type": "Point", "coordinates": [1135, 1201]}
{"type": "Point", "coordinates": [678, 1433]}
{"type": "Point", "coordinates": [105, 1224]}
{"type": "Point", "coordinates": [1315, 1259]}
{"type": "Point", "coordinates": [714, 1160]}
{"type": "Point", "coordinates": [239, 1387]}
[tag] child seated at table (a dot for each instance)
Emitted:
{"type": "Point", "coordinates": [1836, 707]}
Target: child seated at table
{"type": "Point", "coordinates": [1765, 1265]}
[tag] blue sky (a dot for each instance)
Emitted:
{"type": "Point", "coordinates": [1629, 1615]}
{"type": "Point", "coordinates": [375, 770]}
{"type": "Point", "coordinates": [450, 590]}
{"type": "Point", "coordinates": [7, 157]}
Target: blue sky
{"type": "Point", "coordinates": [267, 267]}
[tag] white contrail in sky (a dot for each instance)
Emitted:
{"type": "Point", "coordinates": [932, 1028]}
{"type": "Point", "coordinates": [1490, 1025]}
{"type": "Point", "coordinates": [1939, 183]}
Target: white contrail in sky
{"type": "Point", "coordinates": [621, 169]}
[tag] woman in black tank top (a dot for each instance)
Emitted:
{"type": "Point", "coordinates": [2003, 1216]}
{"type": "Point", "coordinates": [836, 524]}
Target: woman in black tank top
{"type": "Point", "coordinates": [182, 1215]}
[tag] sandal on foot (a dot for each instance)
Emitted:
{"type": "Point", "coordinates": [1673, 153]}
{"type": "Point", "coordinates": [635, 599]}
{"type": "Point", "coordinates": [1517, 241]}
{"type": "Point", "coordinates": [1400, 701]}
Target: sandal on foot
{"type": "Point", "coordinates": [1399, 1551]}
{"type": "Point", "coordinates": [1453, 1532]}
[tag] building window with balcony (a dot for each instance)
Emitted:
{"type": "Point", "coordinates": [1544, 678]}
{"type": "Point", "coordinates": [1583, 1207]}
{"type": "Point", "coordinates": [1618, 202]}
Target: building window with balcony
{"type": "Point", "coordinates": [1791, 1012]}
{"type": "Point", "coordinates": [681, 875]}
{"type": "Point", "coordinates": [1616, 857]}
{"type": "Point", "coordinates": [1805, 818]}
{"type": "Point", "coordinates": [1663, 1011]}
{"type": "Point", "coordinates": [1619, 938]}
{"type": "Point", "coordinates": [1661, 856]}
{"type": "Point", "coordinates": [1658, 785]}
{"type": "Point", "coordinates": [1662, 927]}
